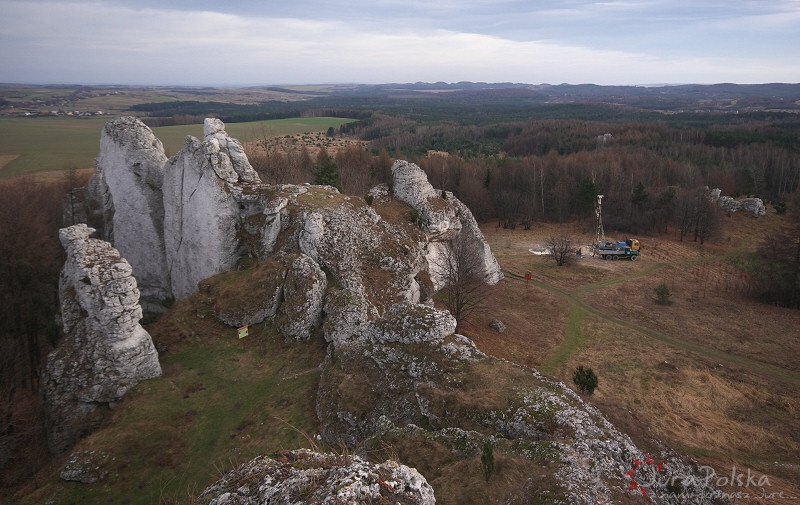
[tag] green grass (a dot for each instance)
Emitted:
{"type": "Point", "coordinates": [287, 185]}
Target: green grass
{"type": "Point", "coordinates": [49, 143]}
{"type": "Point", "coordinates": [56, 143]}
{"type": "Point", "coordinates": [215, 407]}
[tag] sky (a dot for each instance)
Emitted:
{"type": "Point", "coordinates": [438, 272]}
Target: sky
{"type": "Point", "coordinates": [268, 42]}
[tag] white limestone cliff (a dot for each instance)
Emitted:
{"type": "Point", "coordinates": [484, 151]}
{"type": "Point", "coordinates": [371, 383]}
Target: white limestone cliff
{"type": "Point", "coordinates": [203, 201]}
{"type": "Point", "coordinates": [127, 186]}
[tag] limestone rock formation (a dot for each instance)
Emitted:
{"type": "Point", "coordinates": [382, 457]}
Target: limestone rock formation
{"type": "Point", "coordinates": [204, 202]}
{"type": "Point", "coordinates": [303, 294]}
{"type": "Point", "coordinates": [204, 211]}
{"type": "Point", "coordinates": [303, 476]}
{"type": "Point", "coordinates": [126, 185]}
{"type": "Point", "coordinates": [409, 323]}
{"type": "Point", "coordinates": [446, 221]}
{"type": "Point", "coordinates": [104, 351]}
{"type": "Point", "coordinates": [753, 206]}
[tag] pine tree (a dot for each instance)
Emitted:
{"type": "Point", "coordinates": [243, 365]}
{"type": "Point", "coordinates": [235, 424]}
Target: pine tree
{"type": "Point", "coordinates": [326, 171]}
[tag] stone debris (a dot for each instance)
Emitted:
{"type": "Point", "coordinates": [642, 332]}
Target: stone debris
{"type": "Point", "coordinates": [87, 467]}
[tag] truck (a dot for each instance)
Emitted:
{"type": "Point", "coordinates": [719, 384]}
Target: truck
{"type": "Point", "coordinates": [623, 249]}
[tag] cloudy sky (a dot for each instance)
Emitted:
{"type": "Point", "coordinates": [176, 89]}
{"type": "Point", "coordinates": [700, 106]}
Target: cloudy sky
{"type": "Point", "coordinates": [248, 42]}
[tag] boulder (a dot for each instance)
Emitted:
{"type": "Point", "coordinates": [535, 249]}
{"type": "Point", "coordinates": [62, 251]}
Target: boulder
{"type": "Point", "coordinates": [321, 478]}
{"type": "Point", "coordinates": [126, 185]}
{"type": "Point", "coordinates": [498, 326]}
{"type": "Point", "coordinates": [104, 351]}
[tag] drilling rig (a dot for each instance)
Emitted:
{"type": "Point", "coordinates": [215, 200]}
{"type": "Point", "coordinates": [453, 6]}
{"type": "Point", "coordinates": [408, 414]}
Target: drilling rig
{"type": "Point", "coordinates": [607, 249]}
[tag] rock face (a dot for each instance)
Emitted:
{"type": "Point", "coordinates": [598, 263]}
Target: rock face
{"type": "Point", "coordinates": [323, 478]}
{"type": "Point", "coordinates": [204, 203]}
{"type": "Point", "coordinates": [104, 351]}
{"type": "Point", "coordinates": [126, 185]}
{"type": "Point", "coordinates": [447, 222]}
{"type": "Point", "coordinates": [753, 206]}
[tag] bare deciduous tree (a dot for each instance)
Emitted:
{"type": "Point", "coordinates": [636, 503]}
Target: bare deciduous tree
{"type": "Point", "coordinates": [561, 248]}
{"type": "Point", "coordinates": [465, 277]}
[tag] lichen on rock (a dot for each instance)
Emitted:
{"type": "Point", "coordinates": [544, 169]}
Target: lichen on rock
{"type": "Point", "coordinates": [303, 476]}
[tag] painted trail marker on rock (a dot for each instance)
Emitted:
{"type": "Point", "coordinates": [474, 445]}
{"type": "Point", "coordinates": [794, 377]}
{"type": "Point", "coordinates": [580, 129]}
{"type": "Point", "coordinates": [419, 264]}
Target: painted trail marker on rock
{"type": "Point", "coordinates": [242, 335]}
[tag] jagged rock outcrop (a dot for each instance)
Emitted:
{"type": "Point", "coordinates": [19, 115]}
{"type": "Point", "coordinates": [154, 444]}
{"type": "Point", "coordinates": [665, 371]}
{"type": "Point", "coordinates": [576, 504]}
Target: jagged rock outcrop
{"type": "Point", "coordinates": [204, 211]}
{"type": "Point", "coordinates": [753, 206]}
{"type": "Point", "coordinates": [303, 476]}
{"type": "Point", "coordinates": [207, 193]}
{"type": "Point", "coordinates": [126, 186]}
{"type": "Point", "coordinates": [447, 222]}
{"type": "Point", "coordinates": [104, 351]}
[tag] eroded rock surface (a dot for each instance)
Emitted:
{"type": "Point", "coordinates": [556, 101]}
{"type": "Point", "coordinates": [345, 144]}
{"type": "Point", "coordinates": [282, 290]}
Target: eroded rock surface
{"type": "Point", "coordinates": [303, 476]}
{"type": "Point", "coordinates": [104, 351]}
{"type": "Point", "coordinates": [126, 186]}
{"type": "Point", "coordinates": [204, 203]}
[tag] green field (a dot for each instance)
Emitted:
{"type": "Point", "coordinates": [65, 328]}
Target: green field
{"type": "Point", "coordinates": [55, 143]}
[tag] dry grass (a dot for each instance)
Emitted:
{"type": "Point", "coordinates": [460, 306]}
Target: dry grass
{"type": "Point", "coordinates": [714, 374]}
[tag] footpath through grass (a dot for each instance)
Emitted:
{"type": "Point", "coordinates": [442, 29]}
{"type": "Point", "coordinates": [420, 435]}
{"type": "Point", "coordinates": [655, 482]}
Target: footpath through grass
{"type": "Point", "coordinates": [46, 144]}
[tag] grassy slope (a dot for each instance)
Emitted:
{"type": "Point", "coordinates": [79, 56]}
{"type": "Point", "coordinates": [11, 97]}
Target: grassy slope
{"type": "Point", "coordinates": [55, 143]}
{"type": "Point", "coordinates": [215, 406]}
{"type": "Point", "coordinates": [714, 374]}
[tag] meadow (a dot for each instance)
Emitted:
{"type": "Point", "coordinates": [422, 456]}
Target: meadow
{"type": "Point", "coordinates": [31, 145]}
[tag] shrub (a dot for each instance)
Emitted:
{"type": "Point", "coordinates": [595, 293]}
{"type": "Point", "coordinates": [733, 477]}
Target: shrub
{"type": "Point", "coordinates": [663, 295]}
{"type": "Point", "coordinates": [369, 199]}
{"type": "Point", "coordinates": [415, 217]}
{"type": "Point", "coordinates": [487, 459]}
{"type": "Point", "coordinates": [585, 379]}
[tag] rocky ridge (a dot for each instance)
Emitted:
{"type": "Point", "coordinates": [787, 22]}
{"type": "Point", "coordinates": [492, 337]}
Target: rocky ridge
{"type": "Point", "coordinates": [336, 255]}
{"type": "Point", "coordinates": [396, 375]}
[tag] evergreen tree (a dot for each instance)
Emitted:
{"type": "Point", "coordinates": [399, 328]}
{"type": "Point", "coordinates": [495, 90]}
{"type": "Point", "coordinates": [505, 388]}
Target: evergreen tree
{"type": "Point", "coordinates": [326, 171]}
{"type": "Point", "coordinates": [640, 196]}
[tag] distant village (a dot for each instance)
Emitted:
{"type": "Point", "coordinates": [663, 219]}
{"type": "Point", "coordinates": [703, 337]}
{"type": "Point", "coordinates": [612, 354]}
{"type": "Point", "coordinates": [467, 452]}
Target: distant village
{"type": "Point", "coordinates": [51, 113]}
{"type": "Point", "coordinates": [55, 106]}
